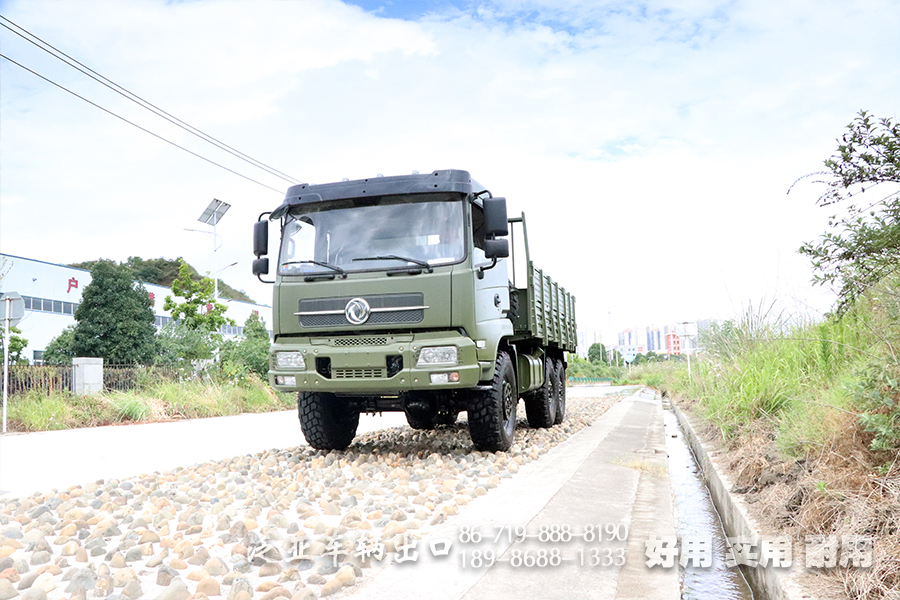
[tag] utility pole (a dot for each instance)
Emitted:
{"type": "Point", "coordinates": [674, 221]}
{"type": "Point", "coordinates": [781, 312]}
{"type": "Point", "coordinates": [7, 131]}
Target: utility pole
{"type": "Point", "coordinates": [687, 339]}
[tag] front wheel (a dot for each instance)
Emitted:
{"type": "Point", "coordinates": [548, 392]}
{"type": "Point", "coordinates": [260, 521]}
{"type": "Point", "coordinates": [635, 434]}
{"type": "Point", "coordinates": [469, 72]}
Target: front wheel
{"type": "Point", "coordinates": [492, 415]}
{"type": "Point", "coordinates": [327, 422]}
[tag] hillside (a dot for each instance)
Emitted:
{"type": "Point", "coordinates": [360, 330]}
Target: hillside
{"type": "Point", "coordinates": [163, 271]}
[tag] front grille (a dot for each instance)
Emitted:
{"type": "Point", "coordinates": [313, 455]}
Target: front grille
{"type": "Point", "coordinates": [329, 312]}
{"type": "Point", "coordinates": [360, 341]}
{"type": "Point", "coordinates": [358, 373]}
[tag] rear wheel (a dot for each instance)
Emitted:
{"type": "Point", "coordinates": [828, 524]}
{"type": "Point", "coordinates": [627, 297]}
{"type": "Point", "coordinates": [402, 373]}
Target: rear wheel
{"type": "Point", "coordinates": [540, 405]}
{"type": "Point", "coordinates": [426, 410]}
{"type": "Point", "coordinates": [492, 415]}
{"type": "Point", "coordinates": [560, 377]}
{"type": "Point", "coordinates": [327, 422]}
{"type": "Point", "coordinates": [446, 418]}
{"type": "Point", "coordinates": [418, 422]}
{"type": "Point", "coordinates": [421, 410]}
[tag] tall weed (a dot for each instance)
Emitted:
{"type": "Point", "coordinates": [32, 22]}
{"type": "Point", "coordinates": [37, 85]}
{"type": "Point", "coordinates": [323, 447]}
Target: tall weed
{"type": "Point", "coordinates": [37, 412]}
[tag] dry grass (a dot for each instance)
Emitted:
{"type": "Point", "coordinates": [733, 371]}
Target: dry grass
{"type": "Point", "coordinates": [834, 491]}
{"type": "Point", "coordinates": [651, 467]}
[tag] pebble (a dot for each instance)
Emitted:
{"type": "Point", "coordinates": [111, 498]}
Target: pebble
{"type": "Point", "coordinates": [177, 590]}
{"type": "Point", "coordinates": [7, 590]}
{"type": "Point", "coordinates": [236, 522]}
{"type": "Point", "coordinates": [208, 586]}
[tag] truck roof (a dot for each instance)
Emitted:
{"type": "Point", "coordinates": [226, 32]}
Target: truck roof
{"type": "Point", "coordinates": [448, 180]}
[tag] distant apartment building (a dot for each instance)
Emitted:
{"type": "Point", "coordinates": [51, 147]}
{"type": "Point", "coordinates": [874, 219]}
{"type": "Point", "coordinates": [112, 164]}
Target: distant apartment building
{"type": "Point", "coordinates": [630, 342]}
{"type": "Point", "coordinates": [655, 340]}
{"type": "Point", "coordinates": [628, 337]}
{"type": "Point", "coordinates": [673, 342]}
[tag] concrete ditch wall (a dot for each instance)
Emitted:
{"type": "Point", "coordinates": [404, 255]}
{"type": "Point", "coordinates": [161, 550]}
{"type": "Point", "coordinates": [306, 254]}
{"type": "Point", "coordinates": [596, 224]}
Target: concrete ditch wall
{"type": "Point", "coordinates": [771, 583]}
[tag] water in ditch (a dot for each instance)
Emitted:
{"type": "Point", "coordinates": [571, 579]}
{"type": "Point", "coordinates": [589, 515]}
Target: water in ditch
{"type": "Point", "coordinates": [696, 516]}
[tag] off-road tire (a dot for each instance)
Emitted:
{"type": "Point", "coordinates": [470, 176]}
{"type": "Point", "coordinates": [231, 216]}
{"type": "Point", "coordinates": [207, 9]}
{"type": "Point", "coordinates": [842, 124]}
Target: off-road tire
{"type": "Point", "coordinates": [492, 414]}
{"type": "Point", "coordinates": [540, 405]}
{"type": "Point", "coordinates": [420, 423]}
{"type": "Point", "coordinates": [560, 377]}
{"type": "Point", "coordinates": [327, 422]}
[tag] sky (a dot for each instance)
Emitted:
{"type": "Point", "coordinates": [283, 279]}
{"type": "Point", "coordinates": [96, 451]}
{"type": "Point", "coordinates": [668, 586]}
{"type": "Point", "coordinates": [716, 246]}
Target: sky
{"type": "Point", "coordinates": [651, 145]}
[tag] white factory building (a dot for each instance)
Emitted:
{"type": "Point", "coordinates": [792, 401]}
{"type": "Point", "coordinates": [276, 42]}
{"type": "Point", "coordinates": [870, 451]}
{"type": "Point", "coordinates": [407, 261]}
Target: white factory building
{"type": "Point", "coordinates": [52, 293]}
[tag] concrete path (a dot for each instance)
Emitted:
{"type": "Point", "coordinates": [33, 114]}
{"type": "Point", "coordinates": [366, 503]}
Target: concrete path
{"type": "Point", "coordinates": [42, 461]}
{"type": "Point", "coordinates": [612, 474]}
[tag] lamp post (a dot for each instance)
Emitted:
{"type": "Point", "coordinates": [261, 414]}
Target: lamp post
{"type": "Point", "coordinates": [216, 279]}
{"type": "Point", "coordinates": [211, 216]}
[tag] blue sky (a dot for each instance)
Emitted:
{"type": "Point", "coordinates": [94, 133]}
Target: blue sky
{"type": "Point", "coordinates": [650, 144]}
{"type": "Point", "coordinates": [410, 10]}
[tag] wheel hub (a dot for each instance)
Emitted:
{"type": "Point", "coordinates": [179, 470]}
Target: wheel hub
{"type": "Point", "coordinates": [507, 400]}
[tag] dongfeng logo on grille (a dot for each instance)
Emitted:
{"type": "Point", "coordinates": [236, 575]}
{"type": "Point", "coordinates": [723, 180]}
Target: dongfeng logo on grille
{"type": "Point", "coordinates": [357, 311]}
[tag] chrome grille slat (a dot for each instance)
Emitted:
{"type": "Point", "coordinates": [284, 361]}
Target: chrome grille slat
{"type": "Point", "coordinates": [387, 309]}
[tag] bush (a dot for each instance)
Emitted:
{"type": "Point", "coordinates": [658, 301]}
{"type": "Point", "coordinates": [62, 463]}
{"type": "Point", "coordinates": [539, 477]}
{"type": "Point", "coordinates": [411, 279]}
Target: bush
{"type": "Point", "coordinates": [877, 395]}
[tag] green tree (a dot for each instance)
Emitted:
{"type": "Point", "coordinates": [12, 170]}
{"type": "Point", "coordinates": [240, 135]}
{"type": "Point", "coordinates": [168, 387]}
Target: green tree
{"type": "Point", "coordinates": [199, 309]}
{"type": "Point", "coordinates": [115, 317]}
{"type": "Point", "coordinates": [864, 245]}
{"type": "Point", "coordinates": [17, 346]}
{"type": "Point", "coordinates": [60, 349]}
{"type": "Point", "coordinates": [251, 352]}
{"type": "Point", "coordinates": [178, 344]}
{"type": "Point", "coordinates": [597, 353]}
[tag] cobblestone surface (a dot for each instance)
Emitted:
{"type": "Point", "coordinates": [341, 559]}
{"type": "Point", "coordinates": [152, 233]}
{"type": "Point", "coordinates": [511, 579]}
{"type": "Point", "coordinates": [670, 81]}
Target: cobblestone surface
{"type": "Point", "coordinates": [294, 523]}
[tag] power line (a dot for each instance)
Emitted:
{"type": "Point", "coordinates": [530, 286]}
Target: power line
{"type": "Point", "coordinates": [157, 136]}
{"type": "Point", "coordinates": [82, 68]}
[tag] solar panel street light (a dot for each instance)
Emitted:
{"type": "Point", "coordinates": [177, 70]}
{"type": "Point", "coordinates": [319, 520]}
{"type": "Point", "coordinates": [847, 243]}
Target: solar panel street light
{"type": "Point", "coordinates": [211, 216]}
{"type": "Point", "coordinates": [214, 212]}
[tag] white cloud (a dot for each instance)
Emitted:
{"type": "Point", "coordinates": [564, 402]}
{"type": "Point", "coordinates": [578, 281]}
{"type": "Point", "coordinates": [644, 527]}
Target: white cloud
{"type": "Point", "coordinates": [651, 145]}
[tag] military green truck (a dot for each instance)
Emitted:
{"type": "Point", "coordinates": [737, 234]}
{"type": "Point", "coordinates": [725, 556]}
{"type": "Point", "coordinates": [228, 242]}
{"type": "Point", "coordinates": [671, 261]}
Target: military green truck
{"type": "Point", "coordinates": [399, 294]}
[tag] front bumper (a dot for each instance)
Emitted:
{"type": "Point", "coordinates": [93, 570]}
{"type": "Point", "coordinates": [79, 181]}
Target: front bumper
{"type": "Point", "coordinates": [374, 364]}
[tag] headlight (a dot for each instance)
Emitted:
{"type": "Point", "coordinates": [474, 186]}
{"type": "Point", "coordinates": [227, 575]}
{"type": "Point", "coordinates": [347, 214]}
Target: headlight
{"type": "Point", "coordinates": [289, 360]}
{"type": "Point", "coordinates": [438, 355]}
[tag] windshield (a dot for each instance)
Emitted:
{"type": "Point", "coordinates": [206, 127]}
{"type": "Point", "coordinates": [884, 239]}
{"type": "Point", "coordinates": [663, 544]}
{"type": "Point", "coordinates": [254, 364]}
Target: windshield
{"type": "Point", "coordinates": [380, 235]}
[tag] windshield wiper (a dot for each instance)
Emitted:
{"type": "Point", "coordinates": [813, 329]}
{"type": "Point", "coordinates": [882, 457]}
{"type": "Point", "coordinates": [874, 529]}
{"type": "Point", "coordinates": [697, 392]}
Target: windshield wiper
{"type": "Point", "coordinates": [415, 261]}
{"type": "Point", "coordinates": [310, 277]}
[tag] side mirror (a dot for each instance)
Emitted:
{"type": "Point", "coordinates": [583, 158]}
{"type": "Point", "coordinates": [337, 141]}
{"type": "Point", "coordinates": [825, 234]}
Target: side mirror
{"type": "Point", "coordinates": [260, 241]}
{"type": "Point", "coordinates": [495, 222]}
{"type": "Point", "coordinates": [261, 266]}
{"type": "Point", "coordinates": [496, 249]}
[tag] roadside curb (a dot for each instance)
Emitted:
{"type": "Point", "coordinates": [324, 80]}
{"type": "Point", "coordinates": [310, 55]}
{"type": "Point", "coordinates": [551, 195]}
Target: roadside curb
{"type": "Point", "coordinates": [772, 583]}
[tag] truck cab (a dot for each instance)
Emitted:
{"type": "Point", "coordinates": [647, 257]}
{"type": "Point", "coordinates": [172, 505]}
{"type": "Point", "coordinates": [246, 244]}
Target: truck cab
{"type": "Point", "coordinates": [393, 294]}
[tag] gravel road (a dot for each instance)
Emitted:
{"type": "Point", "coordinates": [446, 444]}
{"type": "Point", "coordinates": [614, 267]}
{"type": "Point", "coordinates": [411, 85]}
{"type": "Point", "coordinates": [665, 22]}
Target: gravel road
{"type": "Point", "coordinates": [294, 523]}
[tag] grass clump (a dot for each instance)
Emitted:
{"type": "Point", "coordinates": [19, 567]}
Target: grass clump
{"type": "Point", "coordinates": [130, 407]}
{"type": "Point", "coordinates": [38, 412]}
{"type": "Point", "coordinates": [155, 400]}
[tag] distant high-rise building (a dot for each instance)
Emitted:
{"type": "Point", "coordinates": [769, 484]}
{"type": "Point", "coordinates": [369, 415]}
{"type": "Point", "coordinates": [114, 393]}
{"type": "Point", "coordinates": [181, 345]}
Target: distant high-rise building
{"type": "Point", "coordinates": [628, 338]}
{"type": "Point", "coordinates": [655, 340]}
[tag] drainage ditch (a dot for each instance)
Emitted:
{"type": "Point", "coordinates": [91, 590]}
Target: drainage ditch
{"type": "Point", "coordinates": [696, 517]}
